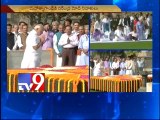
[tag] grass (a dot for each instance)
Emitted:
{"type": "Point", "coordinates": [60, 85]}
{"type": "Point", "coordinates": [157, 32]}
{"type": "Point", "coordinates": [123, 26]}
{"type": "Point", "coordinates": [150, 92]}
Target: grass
{"type": "Point", "coordinates": [122, 45]}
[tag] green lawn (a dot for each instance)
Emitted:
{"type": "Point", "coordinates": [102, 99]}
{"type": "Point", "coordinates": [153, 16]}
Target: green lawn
{"type": "Point", "coordinates": [122, 45]}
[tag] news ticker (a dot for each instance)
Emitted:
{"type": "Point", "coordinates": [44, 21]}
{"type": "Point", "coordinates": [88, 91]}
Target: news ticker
{"type": "Point", "coordinates": [61, 8]}
{"type": "Point", "coordinates": [38, 82]}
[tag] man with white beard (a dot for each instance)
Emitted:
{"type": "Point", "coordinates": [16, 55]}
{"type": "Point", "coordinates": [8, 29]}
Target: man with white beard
{"type": "Point", "coordinates": [32, 53]}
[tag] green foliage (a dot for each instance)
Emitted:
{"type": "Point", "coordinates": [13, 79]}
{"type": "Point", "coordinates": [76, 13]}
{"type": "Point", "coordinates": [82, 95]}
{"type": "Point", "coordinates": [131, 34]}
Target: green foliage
{"type": "Point", "coordinates": [49, 17]}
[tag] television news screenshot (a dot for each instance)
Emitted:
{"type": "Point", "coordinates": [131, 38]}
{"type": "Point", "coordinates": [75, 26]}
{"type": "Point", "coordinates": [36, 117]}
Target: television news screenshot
{"type": "Point", "coordinates": [72, 59]}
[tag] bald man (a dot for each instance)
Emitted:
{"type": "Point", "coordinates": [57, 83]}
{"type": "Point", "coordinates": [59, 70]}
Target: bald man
{"type": "Point", "coordinates": [32, 53]}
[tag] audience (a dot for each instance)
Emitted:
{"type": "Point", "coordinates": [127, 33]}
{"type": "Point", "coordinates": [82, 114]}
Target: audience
{"type": "Point", "coordinates": [122, 27]}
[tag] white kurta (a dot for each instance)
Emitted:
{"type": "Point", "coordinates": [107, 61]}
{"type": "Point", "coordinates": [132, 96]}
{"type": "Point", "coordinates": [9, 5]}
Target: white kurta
{"type": "Point", "coordinates": [119, 36]}
{"type": "Point", "coordinates": [97, 69]}
{"type": "Point", "coordinates": [31, 57]}
{"type": "Point", "coordinates": [78, 57]}
{"type": "Point", "coordinates": [73, 40]}
{"type": "Point", "coordinates": [126, 30]}
{"type": "Point", "coordinates": [15, 40]}
{"type": "Point", "coordinates": [115, 65]}
{"type": "Point", "coordinates": [78, 60]}
{"type": "Point", "coordinates": [97, 25]}
{"type": "Point", "coordinates": [122, 68]}
{"type": "Point", "coordinates": [19, 43]}
{"type": "Point", "coordinates": [59, 59]}
{"type": "Point", "coordinates": [129, 65]}
{"type": "Point", "coordinates": [84, 44]}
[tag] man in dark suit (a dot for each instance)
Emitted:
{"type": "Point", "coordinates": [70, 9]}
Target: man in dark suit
{"type": "Point", "coordinates": [114, 22]}
{"type": "Point", "coordinates": [126, 21]}
{"type": "Point", "coordinates": [10, 38]}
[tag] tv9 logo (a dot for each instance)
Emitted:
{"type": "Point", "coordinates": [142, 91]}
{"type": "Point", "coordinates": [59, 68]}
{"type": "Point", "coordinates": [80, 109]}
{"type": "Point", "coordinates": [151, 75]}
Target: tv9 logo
{"type": "Point", "coordinates": [31, 81]}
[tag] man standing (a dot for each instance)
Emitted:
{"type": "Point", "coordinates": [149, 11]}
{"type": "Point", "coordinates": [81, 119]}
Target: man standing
{"type": "Point", "coordinates": [106, 24]}
{"type": "Point", "coordinates": [126, 24]}
{"type": "Point", "coordinates": [111, 68]}
{"type": "Point", "coordinates": [91, 66]}
{"type": "Point", "coordinates": [15, 31]}
{"type": "Point", "coordinates": [97, 68]}
{"type": "Point", "coordinates": [69, 41]}
{"type": "Point", "coordinates": [81, 32]}
{"type": "Point", "coordinates": [84, 47]}
{"type": "Point", "coordinates": [16, 34]}
{"type": "Point", "coordinates": [48, 37]}
{"type": "Point", "coordinates": [98, 25]}
{"type": "Point", "coordinates": [129, 65]}
{"type": "Point", "coordinates": [32, 53]}
{"type": "Point", "coordinates": [114, 22]}
{"type": "Point", "coordinates": [76, 32]}
{"type": "Point", "coordinates": [10, 38]}
{"type": "Point", "coordinates": [57, 48]}
{"type": "Point", "coordinates": [21, 40]}
{"type": "Point", "coordinates": [78, 51]}
{"type": "Point", "coordinates": [140, 29]}
{"type": "Point", "coordinates": [115, 66]}
{"type": "Point", "coordinates": [107, 65]}
{"type": "Point", "coordinates": [122, 67]}
{"type": "Point", "coordinates": [121, 21]}
{"type": "Point", "coordinates": [134, 68]}
{"type": "Point", "coordinates": [140, 65]}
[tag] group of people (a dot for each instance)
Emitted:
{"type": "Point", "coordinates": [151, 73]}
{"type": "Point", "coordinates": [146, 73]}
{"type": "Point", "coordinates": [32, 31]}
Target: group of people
{"type": "Point", "coordinates": [116, 66]}
{"type": "Point", "coordinates": [121, 26]}
{"type": "Point", "coordinates": [69, 40]}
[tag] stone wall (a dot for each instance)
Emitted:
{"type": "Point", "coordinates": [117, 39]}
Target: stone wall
{"type": "Point", "coordinates": [14, 58]}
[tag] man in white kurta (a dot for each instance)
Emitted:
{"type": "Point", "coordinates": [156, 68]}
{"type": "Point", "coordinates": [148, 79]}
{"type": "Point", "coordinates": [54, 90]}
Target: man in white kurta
{"type": "Point", "coordinates": [129, 65]}
{"type": "Point", "coordinates": [98, 25]}
{"type": "Point", "coordinates": [140, 65]}
{"type": "Point", "coordinates": [122, 67]}
{"type": "Point", "coordinates": [81, 32]}
{"type": "Point", "coordinates": [32, 53]}
{"type": "Point", "coordinates": [97, 68]}
{"type": "Point", "coordinates": [84, 46]}
{"type": "Point", "coordinates": [16, 34]}
{"type": "Point", "coordinates": [119, 35]}
{"type": "Point", "coordinates": [57, 48]}
{"type": "Point", "coordinates": [115, 66]}
{"type": "Point", "coordinates": [76, 32]}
